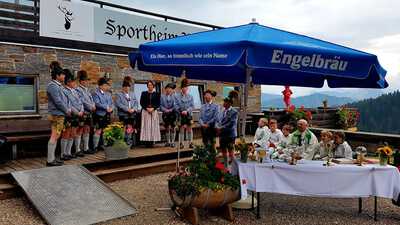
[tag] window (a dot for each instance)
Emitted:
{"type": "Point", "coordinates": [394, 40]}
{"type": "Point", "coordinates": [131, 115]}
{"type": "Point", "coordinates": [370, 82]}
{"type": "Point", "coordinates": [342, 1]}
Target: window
{"type": "Point", "coordinates": [227, 89]}
{"type": "Point", "coordinates": [141, 86]}
{"type": "Point", "coordinates": [18, 94]}
{"type": "Point", "coordinates": [197, 92]}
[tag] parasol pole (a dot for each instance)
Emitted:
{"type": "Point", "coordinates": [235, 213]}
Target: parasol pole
{"type": "Point", "coordinates": [244, 103]}
{"type": "Point", "coordinates": [178, 147]}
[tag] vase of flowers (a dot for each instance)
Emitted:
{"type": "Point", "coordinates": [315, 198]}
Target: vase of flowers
{"type": "Point", "coordinates": [243, 148]}
{"type": "Point", "coordinates": [384, 154]}
{"type": "Point", "coordinates": [114, 139]}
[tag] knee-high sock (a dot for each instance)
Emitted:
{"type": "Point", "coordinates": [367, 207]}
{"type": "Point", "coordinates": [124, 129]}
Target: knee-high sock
{"type": "Point", "coordinates": [64, 143]}
{"type": "Point", "coordinates": [96, 139]}
{"type": "Point", "coordinates": [51, 149]}
{"type": "Point", "coordinates": [69, 145]}
{"type": "Point", "coordinates": [187, 136]}
{"type": "Point", "coordinates": [77, 141]}
{"type": "Point", "coordinates": [168, 135]}
{"type": "Point", "coordinates": [173, 135]}
{"type": "Point", "coordinates": [181, 136]}
{"type": "Point", "coordinates": [85, 138]}
{"type": "Point", "coordinates": [190, 136]}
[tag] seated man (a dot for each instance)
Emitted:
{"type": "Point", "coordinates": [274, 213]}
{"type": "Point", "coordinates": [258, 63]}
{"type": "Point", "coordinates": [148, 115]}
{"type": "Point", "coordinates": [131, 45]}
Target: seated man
{"type": "Point", "coordinates": [262, 134]}
{"type": "Point", "coordinates": [303, 139]}
{"type": "Point", "coordinates": [342, 148]}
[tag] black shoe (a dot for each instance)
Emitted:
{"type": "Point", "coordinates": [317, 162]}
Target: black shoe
{"type": "Point", "coordinates": [73, 156]}
{"type": "Point", "coordinates": [54, 163]}
{"type": "Point", "coordinates": [191, 145]}
{"type": "Point", "coordinates": [66, 157]}
{"type": "Point", "coordinates": [59, 161]}
{"type": "Point", "coordinates": [90, 151]}
{"type": "Point", "coordinates": [80, 154]}
{"type": "Point", "coordinates": [167, 145]}
{"type": "Point", "coordinates": [100, 148]}
{"type": "Point", "coordinates": [172, 145]}
{"type": "Point", "coordinates": [181, 146]}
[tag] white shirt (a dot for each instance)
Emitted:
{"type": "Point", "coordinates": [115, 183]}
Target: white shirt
{"type": "Point", "coordinates": [129, 100]}
{"type": "Point", "coordinates": [276, 137]}
{"type": "Point", "coordinates": [344, 151]}
{"type": "Point", "coordinates": [262, 136]}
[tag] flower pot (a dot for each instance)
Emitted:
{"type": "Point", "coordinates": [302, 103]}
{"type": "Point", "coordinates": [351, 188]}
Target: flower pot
{"type": "Point", "coordinates": [206, 199]}
{"type": "Point", "coordinates": [243, 157]}
{"type": "Point", "coordinates": [383, 160]}
{"type": "Point", "coordinates": [119, 150]}
{"type": "Point", "coordinates": [352, 129]}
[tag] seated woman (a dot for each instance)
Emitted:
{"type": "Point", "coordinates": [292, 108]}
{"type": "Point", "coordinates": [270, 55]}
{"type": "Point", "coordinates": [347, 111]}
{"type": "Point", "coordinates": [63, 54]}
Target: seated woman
{"type": "Point", "coordinates": [342, 148]}
{"type": "Point", "coordinates": [262, 135]}
{"type": "Point", "coordinates": [323, 148]}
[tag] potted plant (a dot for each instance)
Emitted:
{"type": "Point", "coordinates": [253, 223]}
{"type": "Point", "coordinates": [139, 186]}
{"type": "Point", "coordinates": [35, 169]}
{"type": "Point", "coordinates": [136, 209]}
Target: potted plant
{"type": "Point", "coordinates": [293, 115]}
{"type": "Point", "coordinates": [204, 183]}
{"type": "Point", "coordinates": [114, 139]}
{"type": "Point", "coordinates": [325, 104]}
{"type": "Point", "coordinates": [384, 154]}
{"type": "Point", "coordinates": [347, 119]}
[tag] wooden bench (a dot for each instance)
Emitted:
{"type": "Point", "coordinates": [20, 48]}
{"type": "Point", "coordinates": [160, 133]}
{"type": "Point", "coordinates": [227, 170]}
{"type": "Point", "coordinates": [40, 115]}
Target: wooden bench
{"type": "Point", "coordinates": [18, 131]}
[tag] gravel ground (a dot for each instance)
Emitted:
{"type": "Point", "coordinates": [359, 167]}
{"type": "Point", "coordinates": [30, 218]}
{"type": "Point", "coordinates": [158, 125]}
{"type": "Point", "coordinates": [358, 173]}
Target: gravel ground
{"type": "Point", "coordinates": [149, 193]}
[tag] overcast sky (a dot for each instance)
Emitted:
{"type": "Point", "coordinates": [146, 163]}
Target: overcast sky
{"type": "Point", "coordinates": [368, 25]}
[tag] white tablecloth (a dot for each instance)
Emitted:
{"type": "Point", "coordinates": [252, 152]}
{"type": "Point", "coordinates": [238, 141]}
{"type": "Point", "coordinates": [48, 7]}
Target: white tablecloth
{"type": "Point", "coordinates": [311, 178]}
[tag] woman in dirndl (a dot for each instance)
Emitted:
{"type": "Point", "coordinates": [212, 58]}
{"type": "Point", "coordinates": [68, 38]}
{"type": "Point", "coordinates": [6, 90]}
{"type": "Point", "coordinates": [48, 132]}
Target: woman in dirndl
{"type": "Point", "coordinates": [150, 123]}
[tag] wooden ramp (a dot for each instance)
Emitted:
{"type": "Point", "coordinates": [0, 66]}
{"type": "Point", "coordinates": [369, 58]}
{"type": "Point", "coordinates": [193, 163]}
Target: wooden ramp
{"type": "Point", "coordinates": [71, 195]}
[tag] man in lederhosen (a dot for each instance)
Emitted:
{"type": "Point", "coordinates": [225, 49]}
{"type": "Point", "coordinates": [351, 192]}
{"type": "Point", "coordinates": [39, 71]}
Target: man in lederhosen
{"type": "Point", "coordinates": [184, 106]}
{"type": "Point", "coordinates": [87, 121]}
{"type": "Point", "coordinates": [127, 106]}
{"type": "Point", "coordinates": [227, 129]}
{"type": "Point", "coordinates": [208, 118]}
{"type": "Point", "coordinates": [72, 122]}
{"type": "Point", "coordinates": [169, 115]}
{"type": "Point", "coordinates": [58, 109]}
{"type": "Point", "coordinates": [104, 108]}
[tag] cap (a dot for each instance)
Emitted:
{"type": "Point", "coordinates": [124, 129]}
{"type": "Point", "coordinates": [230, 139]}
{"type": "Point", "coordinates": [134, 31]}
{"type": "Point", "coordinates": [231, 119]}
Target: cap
{"type": "Point", "coordinates": [211, 92]}
{"type": "Point", "coordinates": [171, 85]}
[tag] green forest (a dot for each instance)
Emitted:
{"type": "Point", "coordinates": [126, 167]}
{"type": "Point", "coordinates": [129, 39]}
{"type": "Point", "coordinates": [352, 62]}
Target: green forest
{"type": "Point", "coordinates": [379, 114]}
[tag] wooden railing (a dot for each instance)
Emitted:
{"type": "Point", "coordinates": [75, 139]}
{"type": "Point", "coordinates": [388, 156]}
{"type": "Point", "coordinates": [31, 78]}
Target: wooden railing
{"type": "Point", "coordinates": [368, 139]}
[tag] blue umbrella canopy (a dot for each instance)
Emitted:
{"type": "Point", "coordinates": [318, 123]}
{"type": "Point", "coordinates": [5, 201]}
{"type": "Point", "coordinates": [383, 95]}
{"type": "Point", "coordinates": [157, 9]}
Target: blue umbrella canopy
{"type": "Point", "coordinates": [273, 57]}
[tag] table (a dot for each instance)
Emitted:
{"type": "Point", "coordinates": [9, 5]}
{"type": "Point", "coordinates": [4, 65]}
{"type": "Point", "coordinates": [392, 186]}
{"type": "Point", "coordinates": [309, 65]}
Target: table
{"type": "Point", "coordinates": [311, 178]}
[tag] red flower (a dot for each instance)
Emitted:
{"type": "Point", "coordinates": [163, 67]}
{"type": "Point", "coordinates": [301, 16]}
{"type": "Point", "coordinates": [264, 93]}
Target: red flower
{"type": "Point", "coordinates": [272, 145]}
{"type": "Point", "coordinates": [301, 108]}
{"type": "Point", "coordinates": [244, 181]}
{"type": "Point", "coordinates": [220, 166]}
{"type": "Point", "coordinates": [308, 115]}
{"type": "Point", "coordinates": [291, 108]}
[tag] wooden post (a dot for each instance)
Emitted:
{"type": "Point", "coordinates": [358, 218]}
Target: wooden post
{"type": "Point", "coordinates": [192, 215]}
{"type": "Point", "coordinates": [244, 103]}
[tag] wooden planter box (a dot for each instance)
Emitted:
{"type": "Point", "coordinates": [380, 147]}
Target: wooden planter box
{"type": "Point", "coordinates": [218, 202]}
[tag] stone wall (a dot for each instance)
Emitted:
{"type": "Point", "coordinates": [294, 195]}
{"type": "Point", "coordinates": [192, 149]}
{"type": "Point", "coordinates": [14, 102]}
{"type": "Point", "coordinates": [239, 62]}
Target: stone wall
{"type": "Point", "coordinates": [21, 59]}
